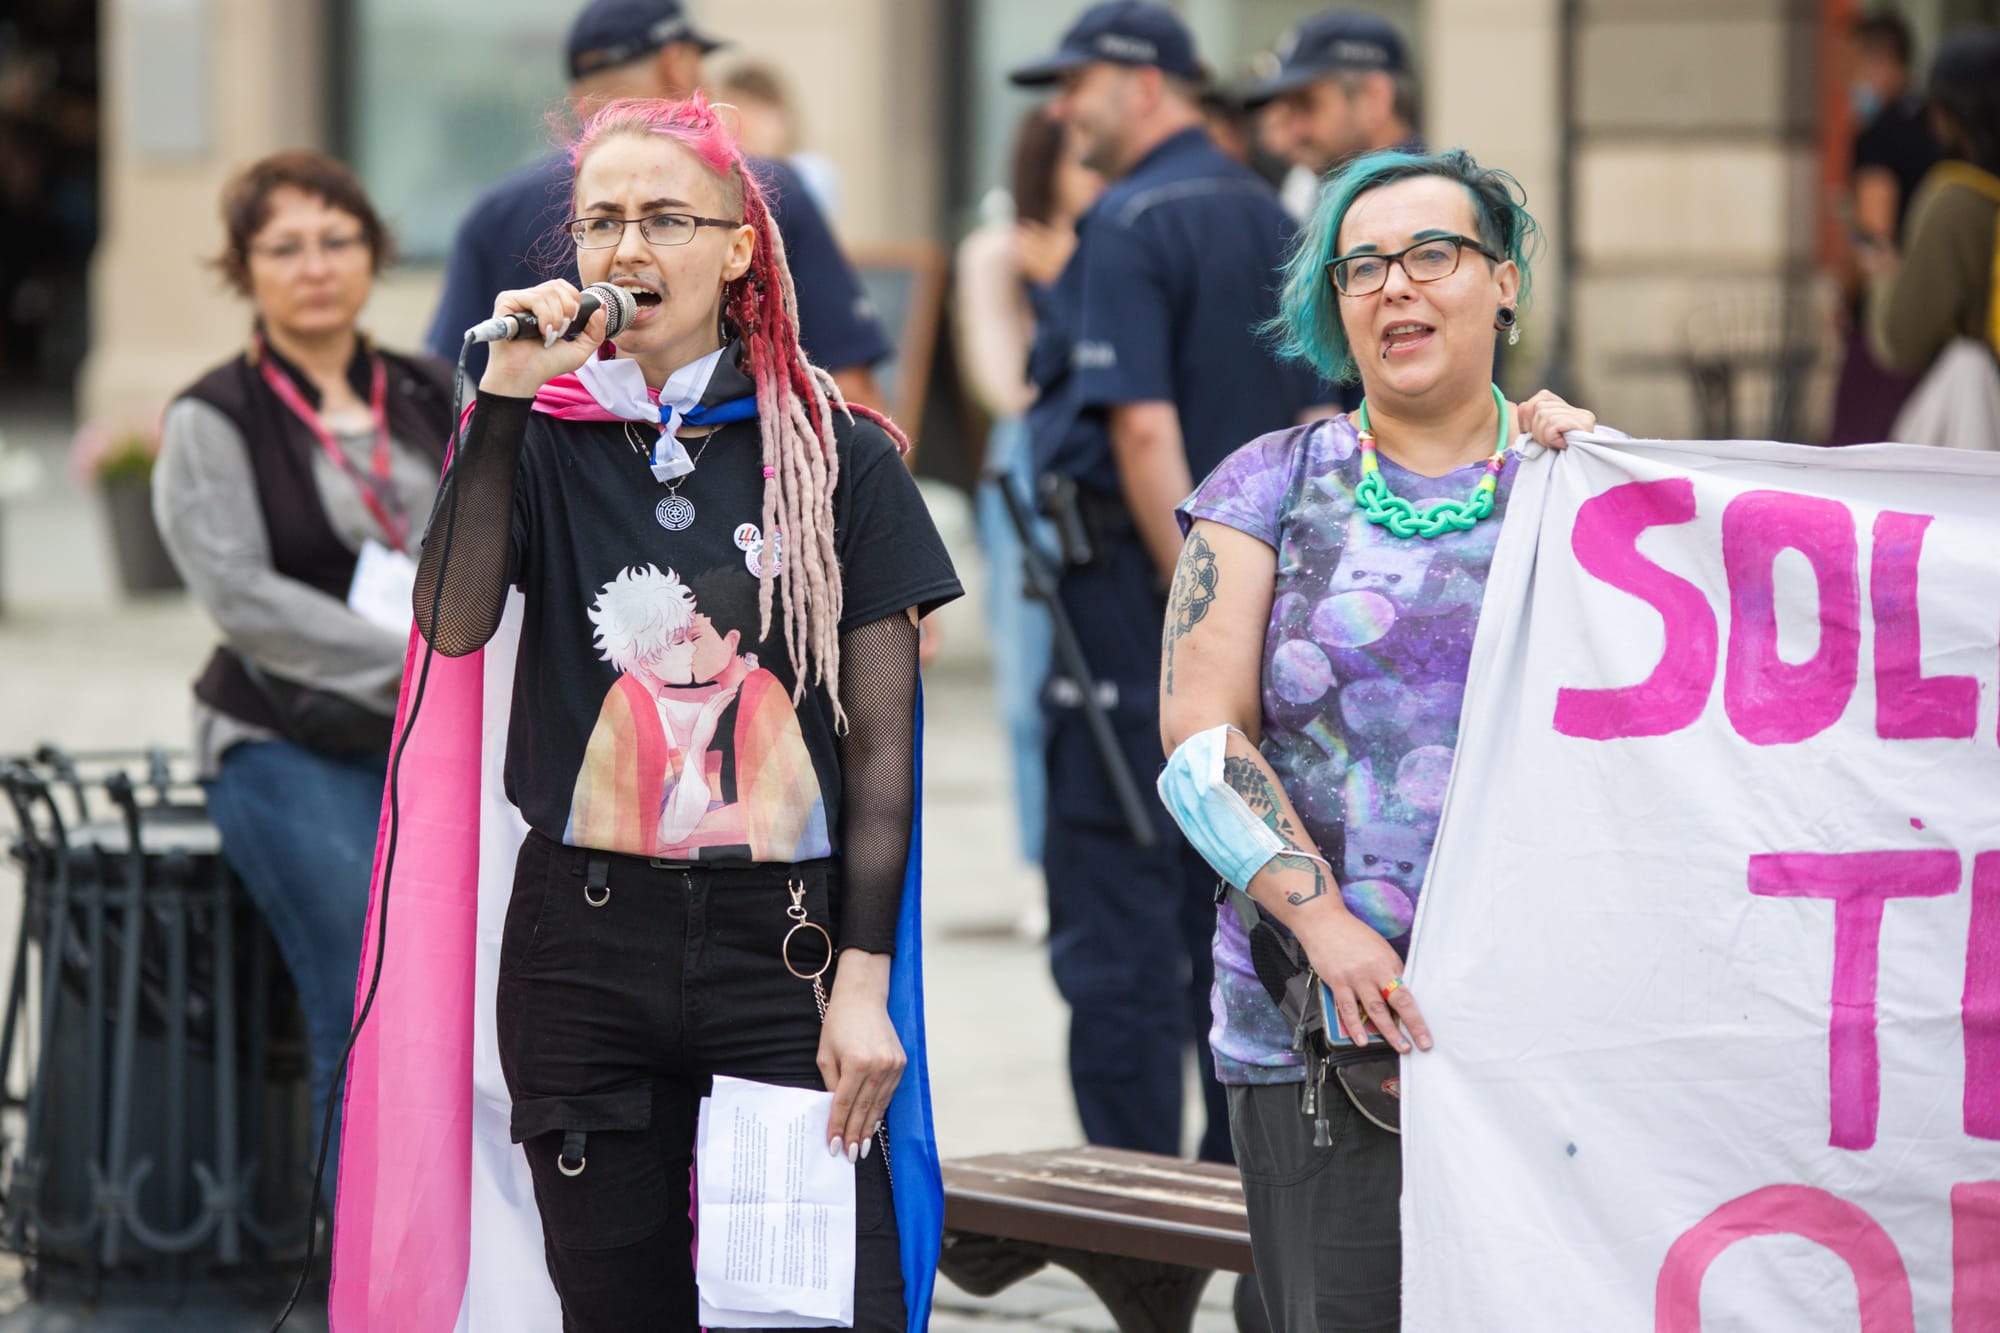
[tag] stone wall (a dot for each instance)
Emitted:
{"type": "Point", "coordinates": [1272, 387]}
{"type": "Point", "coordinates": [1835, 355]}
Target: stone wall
{"type": "Point", "coordinates": [1696, 190]}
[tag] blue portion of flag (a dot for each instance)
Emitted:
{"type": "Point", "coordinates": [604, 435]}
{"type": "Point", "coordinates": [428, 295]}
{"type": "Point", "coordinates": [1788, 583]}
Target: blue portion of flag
{"type": "Point", "coordinates": [916, 1179]}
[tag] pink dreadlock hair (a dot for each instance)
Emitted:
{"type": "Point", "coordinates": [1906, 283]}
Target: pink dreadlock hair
{"type": "Point", "coordinates": [796, 400]}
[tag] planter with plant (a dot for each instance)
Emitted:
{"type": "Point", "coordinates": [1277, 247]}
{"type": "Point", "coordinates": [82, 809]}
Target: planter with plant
{"type": "Point", "coordinates": [114, 457]}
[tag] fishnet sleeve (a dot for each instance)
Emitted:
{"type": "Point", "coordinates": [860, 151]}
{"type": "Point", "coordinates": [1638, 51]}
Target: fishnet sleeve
{"type": "Point", "coordinates": [459, 600]}
{"type": "Point", "coordinates": [878, 691]}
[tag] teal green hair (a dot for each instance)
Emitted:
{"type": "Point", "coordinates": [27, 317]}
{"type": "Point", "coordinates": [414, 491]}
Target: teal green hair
{"type": "Point", "coordinates": [1307, 326]}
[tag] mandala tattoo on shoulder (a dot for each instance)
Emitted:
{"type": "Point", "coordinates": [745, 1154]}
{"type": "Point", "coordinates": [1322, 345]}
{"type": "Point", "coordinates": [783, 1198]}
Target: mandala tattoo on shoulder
{"type": "Point", "coordinates": [1195, 580]}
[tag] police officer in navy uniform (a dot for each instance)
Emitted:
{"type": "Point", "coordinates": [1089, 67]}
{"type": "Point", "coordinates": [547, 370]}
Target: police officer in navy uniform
{"type": "Point", "coordinates": [1150, 371]}
{"type": "Point", "coordinates": [513, 237]}
{"type": "Point", "coordinates": [1339, 85]}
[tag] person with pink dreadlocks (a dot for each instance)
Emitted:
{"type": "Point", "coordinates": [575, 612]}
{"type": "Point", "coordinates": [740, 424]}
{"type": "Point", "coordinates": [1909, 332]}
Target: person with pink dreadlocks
{"type": "Point", "coordinates": [714, 720]}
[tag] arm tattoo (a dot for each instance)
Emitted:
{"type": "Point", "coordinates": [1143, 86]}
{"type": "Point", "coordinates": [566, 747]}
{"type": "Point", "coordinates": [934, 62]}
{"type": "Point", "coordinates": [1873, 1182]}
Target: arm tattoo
{"type": "Point", "coordinates": [1291, 861]}
{"type": "Point", "coordinates": [1193, 591]}
{"type": "Point", "coordinates": [1249, 782]}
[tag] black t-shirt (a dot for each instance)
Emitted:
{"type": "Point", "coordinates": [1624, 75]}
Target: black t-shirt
{"type": "Point", "coordinates": [650, 716]}
{"type": "Point", "coordinates": [1899, 141]}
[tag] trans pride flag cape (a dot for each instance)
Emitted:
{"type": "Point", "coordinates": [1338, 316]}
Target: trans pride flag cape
{"type": "Point", "coordinates": [435, 1228]}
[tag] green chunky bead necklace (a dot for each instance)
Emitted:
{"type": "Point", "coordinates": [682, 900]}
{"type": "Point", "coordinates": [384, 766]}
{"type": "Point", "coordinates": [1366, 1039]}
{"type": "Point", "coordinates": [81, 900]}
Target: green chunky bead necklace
{"type": "Point", "coordinates": [1384, 507]}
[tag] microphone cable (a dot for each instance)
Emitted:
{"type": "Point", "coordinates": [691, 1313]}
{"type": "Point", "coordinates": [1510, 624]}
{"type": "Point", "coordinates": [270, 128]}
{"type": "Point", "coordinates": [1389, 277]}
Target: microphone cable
{"type": "Point", "coordinates": [448, 498]}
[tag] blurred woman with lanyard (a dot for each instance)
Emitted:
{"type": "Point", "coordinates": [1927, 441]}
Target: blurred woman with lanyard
{"type": "Point", "coordinates": [714, 725]}
{"type": "Point", "coordinates": [1934, 304]}
{"type": "Point", "coordinates": [290, 482]}
{"type": "Point", "coordinates": [1310, 702]}
{"type": "Point", "coordinates": [1004, 270]}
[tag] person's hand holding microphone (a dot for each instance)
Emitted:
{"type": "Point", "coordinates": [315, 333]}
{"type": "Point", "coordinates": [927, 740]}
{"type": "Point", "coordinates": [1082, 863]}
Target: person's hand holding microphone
{"type": "Point", "coordinates": [526, 356]}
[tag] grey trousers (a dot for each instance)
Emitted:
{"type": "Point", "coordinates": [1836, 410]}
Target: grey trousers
{"type": "Point", "coordinates": [1325, 1223]}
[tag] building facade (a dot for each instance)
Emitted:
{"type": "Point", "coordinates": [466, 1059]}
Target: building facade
{"type": "Point", "coordinates": [1679, 154]}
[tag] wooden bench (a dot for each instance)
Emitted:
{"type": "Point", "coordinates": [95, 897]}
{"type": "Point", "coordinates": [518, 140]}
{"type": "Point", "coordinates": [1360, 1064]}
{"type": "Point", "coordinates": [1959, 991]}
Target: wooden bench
{"type": "Point", "coordinates": [1143, 1232]}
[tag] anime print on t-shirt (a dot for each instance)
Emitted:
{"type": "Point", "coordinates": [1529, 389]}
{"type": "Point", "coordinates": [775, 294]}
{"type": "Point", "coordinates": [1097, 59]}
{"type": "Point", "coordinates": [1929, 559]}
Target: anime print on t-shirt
{"type": "Point", "coordinates": [697, 753]}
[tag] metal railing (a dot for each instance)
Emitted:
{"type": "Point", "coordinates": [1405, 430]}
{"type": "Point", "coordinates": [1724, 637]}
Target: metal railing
{"type": "Point", "coordinates": [153, 1075]}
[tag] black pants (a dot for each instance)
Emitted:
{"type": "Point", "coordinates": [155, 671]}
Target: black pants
{"type": "Point", "coordinates": [1130, 928]}
{"type": "Point", "coordinates": [613, 1019]}
{"type": "Point", "coordinates": [1325, 1223]}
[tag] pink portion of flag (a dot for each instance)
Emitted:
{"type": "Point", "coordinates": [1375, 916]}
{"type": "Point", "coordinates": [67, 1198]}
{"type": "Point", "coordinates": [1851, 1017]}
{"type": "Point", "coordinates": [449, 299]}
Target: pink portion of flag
{"type": "Point", "coordinates": [566, 399]}
{"type": "Point", "coordinates": [402, 1220]}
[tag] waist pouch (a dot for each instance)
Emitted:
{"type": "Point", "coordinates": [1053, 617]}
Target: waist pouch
{"type": "Point", "coordinates": [1369, 1076]}
{"type": "Point", "coordinates": [320, 719]}
{"type": "Point", "coordinates": [1373, 1082]}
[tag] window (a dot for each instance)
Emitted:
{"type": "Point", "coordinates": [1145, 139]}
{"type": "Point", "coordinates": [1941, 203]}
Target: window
{"type": "Point", "coordinates": [445, 97]}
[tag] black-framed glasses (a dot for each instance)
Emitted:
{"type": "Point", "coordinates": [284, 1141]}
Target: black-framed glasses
{"type": "Point", "coordinates": [1428, 260]}
{"type": "Point", "coordinates": [601, 233]}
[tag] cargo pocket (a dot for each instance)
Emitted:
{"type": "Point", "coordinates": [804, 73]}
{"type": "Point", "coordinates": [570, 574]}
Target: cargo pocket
{"type": "Point", "coordinates": [601, 1177]}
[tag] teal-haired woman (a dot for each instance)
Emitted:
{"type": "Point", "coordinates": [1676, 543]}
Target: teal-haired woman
{"type": "Point", "coordinates": [1318, 637]}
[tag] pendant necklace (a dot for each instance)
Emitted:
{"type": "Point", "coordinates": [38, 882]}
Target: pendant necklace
{"type": "Point", "coordinates": [1384, 507]}
{"type": "Point", "coordinates": [675, 511]}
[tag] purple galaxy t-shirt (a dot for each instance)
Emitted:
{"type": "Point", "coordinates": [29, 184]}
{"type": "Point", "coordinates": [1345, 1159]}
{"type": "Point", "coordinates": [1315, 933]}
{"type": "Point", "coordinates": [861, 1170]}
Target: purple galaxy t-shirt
{"type": "Point", "coordinates": [1365, 659]}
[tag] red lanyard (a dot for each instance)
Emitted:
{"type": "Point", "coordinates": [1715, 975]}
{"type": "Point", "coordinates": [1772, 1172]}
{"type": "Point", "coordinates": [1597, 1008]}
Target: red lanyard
{"type": "Point", "coordinates": [378, 489]}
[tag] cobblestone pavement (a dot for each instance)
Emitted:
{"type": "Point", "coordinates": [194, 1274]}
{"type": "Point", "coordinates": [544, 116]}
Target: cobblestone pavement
{"type": "Point", "coordinates": [87, 668]}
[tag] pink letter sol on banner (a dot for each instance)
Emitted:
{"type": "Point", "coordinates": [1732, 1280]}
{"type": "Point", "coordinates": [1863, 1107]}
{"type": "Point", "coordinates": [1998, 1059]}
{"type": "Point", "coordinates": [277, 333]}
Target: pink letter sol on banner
{"type": "Point", "coordinates": [1979, 1006]}
{"type": "Point", "coordinates": [1606, 542]}
{"type": "Point", "coordinates": [1788, 1210]}
{"type": "Point", "coordinates": [1908, 704]}
{"type": "Point", "coordinates": [1975, 1257]}
{"type": "Point", "coordinates": [1769, 700]}
{"type": "Point", "coordinates": [1859, 885]}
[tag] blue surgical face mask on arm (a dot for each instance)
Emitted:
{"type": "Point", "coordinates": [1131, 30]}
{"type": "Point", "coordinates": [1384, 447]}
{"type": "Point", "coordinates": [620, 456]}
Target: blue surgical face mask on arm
{"type": "Point", "coordinates": [1218, 822]}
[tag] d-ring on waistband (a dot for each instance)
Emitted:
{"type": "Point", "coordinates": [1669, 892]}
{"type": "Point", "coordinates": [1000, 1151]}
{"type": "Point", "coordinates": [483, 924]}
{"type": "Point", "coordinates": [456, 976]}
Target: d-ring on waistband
{"type": "Point", "coordinates": [573, 1144]}
{"type": "Point", "coordinates": [597, 880]}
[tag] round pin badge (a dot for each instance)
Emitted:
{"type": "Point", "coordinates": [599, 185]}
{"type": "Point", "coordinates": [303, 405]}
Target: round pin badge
{"type": "Point", "coordinates": [747, 536]}
{"type": "Point", "coordinates": [753, 555]}
{"type": "Point", "coordinates": [675, 514]}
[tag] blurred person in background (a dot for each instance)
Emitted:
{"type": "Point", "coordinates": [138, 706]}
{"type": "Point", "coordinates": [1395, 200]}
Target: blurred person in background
{"type": "Point", "coordinates": [1005, 270]}
{"type": "Point", "coordinates": [1148, 371]}
{"type": "Point", "coordinates": [281, 472]}
{"type": "Point", "coordinates": [1229, 124]}
{"type": "Point", "coordinates": [771, 129]}
{"type": "Point", "coordinates": [513, 237]}
{"type": "Point", "coordinates": [1938, 286]}
{"type": "Point", "coordinates": [1339, 85]}
{"type": "Point", "coordinates": [1893, 148]}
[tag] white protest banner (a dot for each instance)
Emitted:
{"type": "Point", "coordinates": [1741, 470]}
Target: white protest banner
{"type": "Point", "coordinates": [1711, 939]}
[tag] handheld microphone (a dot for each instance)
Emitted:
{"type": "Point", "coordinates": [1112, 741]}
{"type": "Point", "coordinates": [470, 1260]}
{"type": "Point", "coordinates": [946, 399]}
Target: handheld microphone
{"type": "Point", "coordinates": [619, 306]}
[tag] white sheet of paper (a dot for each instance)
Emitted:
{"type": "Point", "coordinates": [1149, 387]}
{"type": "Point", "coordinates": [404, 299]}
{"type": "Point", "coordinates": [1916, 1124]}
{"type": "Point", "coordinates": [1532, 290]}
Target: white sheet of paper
{"type": "Point", "coordinates": [384, 583]}
{"type": "Point", "coordinates": [774, 1212]}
